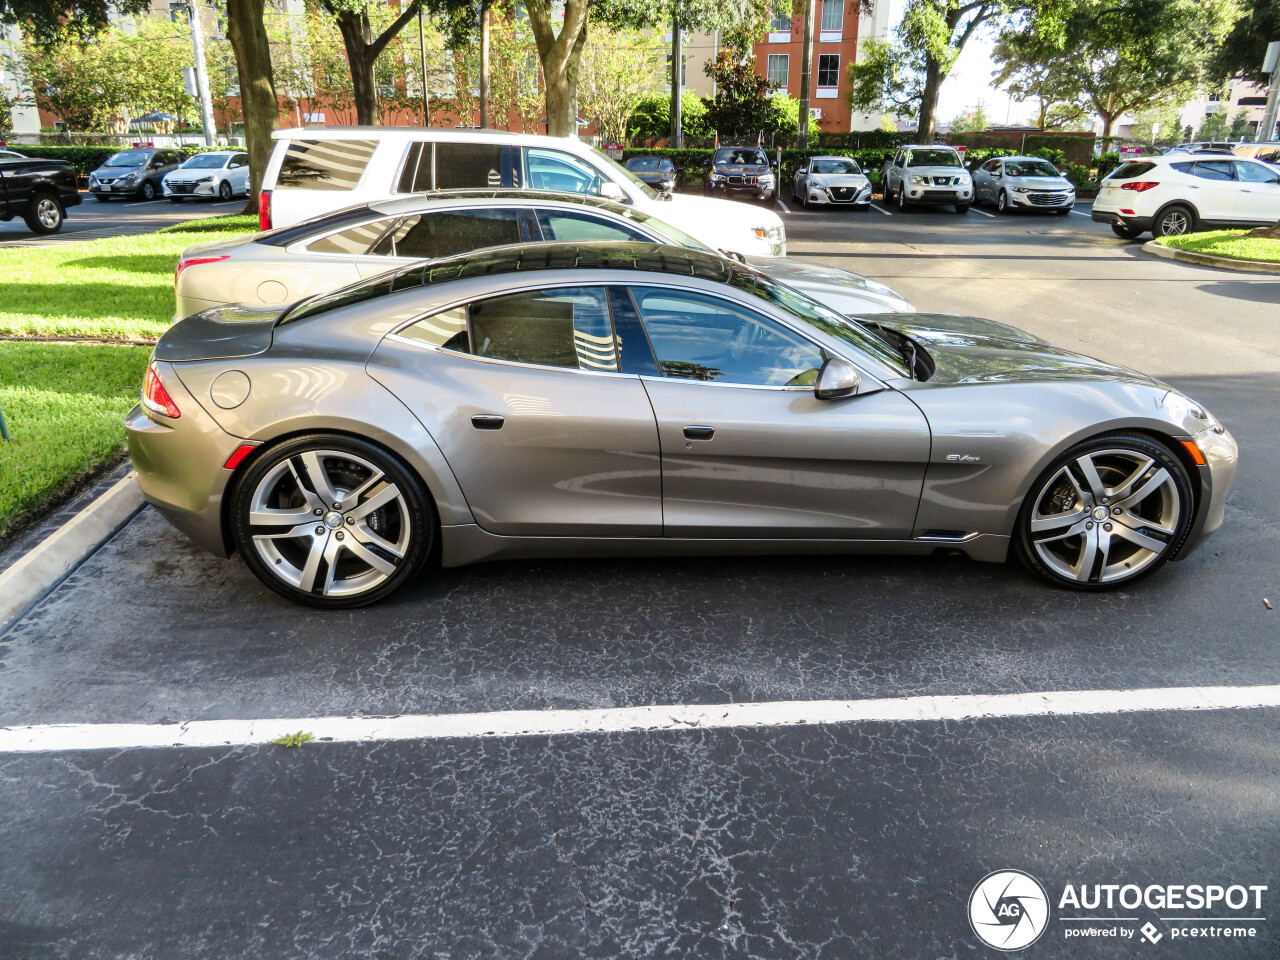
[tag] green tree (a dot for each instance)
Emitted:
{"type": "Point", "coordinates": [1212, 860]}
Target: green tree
{"type": "Point", "coordinates": [1242, 49]}
{"type": "Point", "coordinates": [1046, 81]}
{"type": "Point", "coordinates": [740, 108]}
{"type": "Point", "coordinates": [975, 121]}
{"type": "Point", "coordinates": [1158, 124]}
{"type": "Point", "coordinates": [651, 117]}
{"type": "Point", "coordinates": [365, 35]}
{"type": "Point", "coordinates": [618, 68]}
{"type": "Point", "coordinates": [886, 77]}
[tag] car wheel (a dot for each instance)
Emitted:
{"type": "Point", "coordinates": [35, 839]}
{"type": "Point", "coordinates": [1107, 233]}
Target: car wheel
{"type": "Point", "coordinates": [224, 191]}
{"type": "Point", "coordinates": [101, 197]}
{"type": "Point", "coordinates": [44, 214]}
{"type": "Point", "coordinates": [903, 205]}
{"type": "Point", "coordinates": [148, 190]}
{"type": "Point", "coordinates": [962, 208]}
{"type": "Point", "coordinates": [1174, 221]}
{"type": "Point", "coordinates": [1108, 512]}
{"type": "Point", "coordinates": [1126, 233]}
{"type": "Point", "coordinates": [332, 521]}
{"type": "Point", "coordinates": [1002, 202]}
{"type": "Point", "coordinates": [888, 194]}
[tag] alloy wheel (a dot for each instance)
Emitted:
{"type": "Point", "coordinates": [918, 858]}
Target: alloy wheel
{"type": "Point", "coordinates": [1106, 516]}
{"type": "Point", "coordinates": [148, 190]}
{"type": "Point", "coordinates": [1002, 202]}
{"type": "Point", "coordinates": [224, 190]}
{"type": "Point", "coordinates": [48, 214]}
{"type": "Point", "coordinates": [1175, 223]}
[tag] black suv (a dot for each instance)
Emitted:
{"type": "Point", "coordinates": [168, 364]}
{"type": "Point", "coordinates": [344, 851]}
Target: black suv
{"type": "Point", "coordinates": [37, 190]}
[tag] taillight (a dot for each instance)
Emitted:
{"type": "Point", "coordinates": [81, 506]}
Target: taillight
{"type": "Point", "coordinates": [156, 398]}
{"type": "Point", "coordinates": [1139, 186]}
{"type": "Point", "coordinates": [184, 262]}
{"type": "Point", "coordinates": [264, 210]}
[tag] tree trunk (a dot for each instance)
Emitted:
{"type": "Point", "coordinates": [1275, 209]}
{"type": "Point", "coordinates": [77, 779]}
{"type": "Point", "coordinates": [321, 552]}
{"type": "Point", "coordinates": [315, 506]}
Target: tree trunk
{"type": "Point", "coordinates": [560, 55]}
{"type": "Point", "coordinates": [806, 72]}
{"type": "Point", "coordinates": [354, 28]}
{"type": "Point", "coordinates": [258, 103]}
{"type": "Point", "coordinates": [1269, 233]}
{"type": "Point", "coordinates": [677, 58]}
{"type": "Point", "coordinates": [927, 127]}
{"type": "Point", "coordinates": [484, 66]}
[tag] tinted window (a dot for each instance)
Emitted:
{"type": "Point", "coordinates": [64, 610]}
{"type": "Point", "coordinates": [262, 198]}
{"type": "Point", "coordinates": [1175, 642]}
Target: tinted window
{"type": "Point", "coordinates": [699, 337]}
{"type": "Point", "coordinates": [325, 164]}
{"type": "Point", "coordinates": [1214, 170]}
{"type": "Point", "coordinates": [555, 328]}
{"type": "Point", "coordinates": [560, 172]}
{"type": "Point", "coordinates": [579, 227]}
{"type": "Point", "coordinates": [835, 166]}
{"type": "Point", "coordinates": [460, 166]}
{"type": "Point", "coordinates": [1127, 171]}
{"type": "Point", "coordinates": [430, 235]}
{"type": "Point", "coordinates": [649, 165]}
{"type": "Point", "coordinates": [447, 330]}
{"type": "Point", "coordinates": [240, 160]}
{"type": "Point", "coordinates": [741, 156]}
{"type": "Point", "coordinates": [1256, 173]}
{"type": "Point", "coordinates": [206, 161]}
{"type": "Point", "coordinates": [933, 158]}
{"type": "Point", "coordinates": [991, 165]}
{"type": "Point", "coordinates": [1030, 168]}
{"type": "Point", "coordinates": [356, 240]}
{"type": "Point", "coordinates": [415, 175]}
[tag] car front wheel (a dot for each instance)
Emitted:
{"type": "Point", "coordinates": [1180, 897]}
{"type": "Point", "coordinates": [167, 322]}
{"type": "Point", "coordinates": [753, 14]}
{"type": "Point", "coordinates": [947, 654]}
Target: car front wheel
{"type": "Point", "coordinates": [1108, 512]}
{"type": "Point", "coordinates": [44, 215]}
{"type": "Point", "coordinates": [224, 191]}
{"type": "Point", "coordinates": [1174, 221]}
{"type": "Point", "coordinates": [1002, 202]}
{"type": "Point", "coordinates": [332, 521]}
{"type": "Point", "coordinates": [148, 190]}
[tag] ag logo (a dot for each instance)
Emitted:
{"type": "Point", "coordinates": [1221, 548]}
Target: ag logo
{"type": "Point", "coordinates": [1008, 910]}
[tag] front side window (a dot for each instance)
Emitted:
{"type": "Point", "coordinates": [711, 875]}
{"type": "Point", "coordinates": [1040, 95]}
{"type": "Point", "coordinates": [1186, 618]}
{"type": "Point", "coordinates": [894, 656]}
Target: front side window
{"type": "Point", "coordinates": [828, 70]}
{"type": "Point", "coordinates": [239, 160]}
{"type": "Point", "coordinates": [698, 337]}
{"type": "Point", "coordinates": [325, 164]}
{"type": "Point", "coordinates": [779, 70]}
{"type": "Point", "coordinates": [427, 236]}
{"type": "Point", "coordinates": [205, 161]}
{"type": "Point", "coordinates": [353, 241]}
{"type": "Point", "coordinates": [467, 166]}
{"type": "Point", "coordinates": [832, 15]}
{"type": "Point", "coordinates": [559, 172]}
{"type": "Point", "coordinates": [562, 327]}
{"type": "Point", "coordinates": [581, 228]}
{"type": "Point", "coordinates": [1255, 173]}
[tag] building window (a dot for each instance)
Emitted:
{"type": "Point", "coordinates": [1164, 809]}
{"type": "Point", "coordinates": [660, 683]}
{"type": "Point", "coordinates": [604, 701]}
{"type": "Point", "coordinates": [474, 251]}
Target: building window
{"type": "Point", "coordinates": [828, 70]}
{"type": "Point", "coordinates": [779, 70]}
{"type": "Point", "coordinates": [781, 22]}
{"type": "Point", "coordinates": [832, 16]}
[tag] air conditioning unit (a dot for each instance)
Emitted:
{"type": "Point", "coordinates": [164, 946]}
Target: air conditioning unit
{"type": "Point", "coordinates": [815, 113]}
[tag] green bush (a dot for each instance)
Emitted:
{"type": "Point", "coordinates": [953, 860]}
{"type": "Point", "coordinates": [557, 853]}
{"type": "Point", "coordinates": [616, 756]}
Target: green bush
{"type": "Point", "coordinates": [1106, 162]}
{"type": "Point", "coordinates": [86, 159]}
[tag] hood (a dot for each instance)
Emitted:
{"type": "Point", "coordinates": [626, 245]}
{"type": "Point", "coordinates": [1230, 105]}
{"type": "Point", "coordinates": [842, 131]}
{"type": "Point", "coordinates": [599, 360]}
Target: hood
{"type": "Point", "coordinates": [653, 176]}
{"type": "Point", "coordinates": [838, 289]}
{"type": "Point", "coordinates": [1041, 183]}
{"type": "Point", "coordinates": [694, 214]}
{"type": "Point", "coordinates": [116, 172]}
{"type": "Point", "coordinates": [186, 176]}
{"type": "Point", "coordinates": [219, 333]}
{"type": "Point", "coordinates": [753, 169]}
{"type": "Point", "coordinates": [935, 172]}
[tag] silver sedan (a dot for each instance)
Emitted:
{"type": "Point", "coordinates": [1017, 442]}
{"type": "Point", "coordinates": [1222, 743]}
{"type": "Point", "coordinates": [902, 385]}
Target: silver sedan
{"type": "Point", "coordinates": [831, 181]}
{"type": "Point", "coordinates": [281, 266]}
{"type": "Point", "coordinates": [1023, 183]}
{"type": "Point", "coordinates": [633, 399]}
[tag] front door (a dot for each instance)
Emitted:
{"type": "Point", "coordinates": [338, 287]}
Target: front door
{"type": "Point", "coordinates": [1259, 197]}
{"type": "Point", "coordinates": [748, 451]}
{"type": "Point", "coordinates": [523, 395]}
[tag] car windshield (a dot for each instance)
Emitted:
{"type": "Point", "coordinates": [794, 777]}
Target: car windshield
{"type": "Point", "coordinates": [624, 173]}
{"type": "Point", "coordinates": [933, 158]}
{"type": "Point", "coordinates": [816, 315]}
{"type": "Point", "coordinates": [739, 155]}
{"type": "Point", "coordinates": [206, 161]}
{"type": "Point", "coordinates": [672, 234]}
{"type": "Point", "coordinates": [835, 166]}
{"type": "Point", "coordinates": [129, 158]}
{"type": "Point", "coordinates": [1030, 168]}
{"type": "Point", "coordinates": [650, 165]}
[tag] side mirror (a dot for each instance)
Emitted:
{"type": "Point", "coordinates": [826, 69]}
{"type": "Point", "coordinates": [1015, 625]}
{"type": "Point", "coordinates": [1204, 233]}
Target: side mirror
{"type": "Point", "coordinates": [611, 191]}
{"type": "Point", "coordinates": [837, 379]}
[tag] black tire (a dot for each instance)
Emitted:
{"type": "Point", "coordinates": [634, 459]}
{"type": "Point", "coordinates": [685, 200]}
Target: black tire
{"type": "Point", "coordinates": [410, 518]}
{"type": "Point", "coordinates": [903, 203]}
{"type": "Point", "coordinates": [45, 214]}
{"type": "Point", "coordinates": [888, 194]}
{"type": "Point", "coordinates": [1002, 202]}
{"type": "Point", "coordinates": [1064, 211]}
{"type": "Point", "coordinates": [148, 190]}
{"type": "Point", "coordinates": [962, 208]}
{"type": "Point", "coordinates": [1065, 503]}
{"type": "Point", "coordinates": [1174, 221]}
{"type": "Point", "coordinates": [224, 191]}
{"type": "Point", "coordinates": [101, 197]}
{"type": "Point", "coordinates": [1126, 233]}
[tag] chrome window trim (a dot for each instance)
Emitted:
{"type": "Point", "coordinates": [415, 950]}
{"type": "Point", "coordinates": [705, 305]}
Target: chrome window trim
{"type": "Point", "coordinates": [508, 363]}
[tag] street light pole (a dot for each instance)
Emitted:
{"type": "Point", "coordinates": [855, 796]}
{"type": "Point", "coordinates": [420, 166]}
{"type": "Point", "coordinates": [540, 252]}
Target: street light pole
{"type": "Point", "coordinates": [202, 74]}
{"type": "Point", "coordinates": [422, 59]}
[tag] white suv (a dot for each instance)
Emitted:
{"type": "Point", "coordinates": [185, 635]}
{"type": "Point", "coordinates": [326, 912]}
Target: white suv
{"type": "Point", "coordinates": [316, 171]}
{"type": "Point", "coordinates": [1176, 194]}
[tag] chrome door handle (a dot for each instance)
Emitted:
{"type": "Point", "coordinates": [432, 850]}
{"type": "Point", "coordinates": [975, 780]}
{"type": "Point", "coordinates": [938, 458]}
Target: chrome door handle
{"type": "Point", "coordinates": [488, 421]}
{"type": "Point", "coordinates": [695, 432]}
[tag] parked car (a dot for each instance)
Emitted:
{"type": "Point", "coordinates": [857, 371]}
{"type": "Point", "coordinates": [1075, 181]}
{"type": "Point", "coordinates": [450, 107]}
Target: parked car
{"type": "Point", "coordinates": [1177, 193]}
{"type": "Point", "coordinates": [137, 172]}
{"type": "Point", "coordinates": [1267, 152]}
{"type": "Point", "coordinates": [1023, 183]}
{"type": "Point", "coordinates": [741, 171]}
{"type": "Point", "coordinates": [927, 175]}
{"type": "Point", "coordinates": [37, 190]}
{"type": "Point", "coordinates": [658, 172]}
{"type": "Point", "coordinates": [1203, 146]}
{"type": "Point", "coordinates": [6, 154]}
{"type": "Point", "coordinates": [315, 171]}
{"type": "Point", "coordinates": [631, 399]}
{"type": "Point", "coordinates": [831, 181]}
{"type": "Point", "coordinates": [319, 255]}
{"type": "Point", "coordinates": [217, 174]}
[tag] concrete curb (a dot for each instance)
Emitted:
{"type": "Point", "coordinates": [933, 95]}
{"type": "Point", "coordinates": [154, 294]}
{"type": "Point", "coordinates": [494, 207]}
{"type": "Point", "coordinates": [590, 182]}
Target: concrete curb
{"type": "Point", "coordinates": [33, 576]}
{"type": "Point", "coordinates": [1209, 260]}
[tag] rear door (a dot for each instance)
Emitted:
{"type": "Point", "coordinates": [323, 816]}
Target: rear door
{"type": "Point", "coordinates": [1259, 197]}
{"type": "Point", "coordinates": [1214, 189]}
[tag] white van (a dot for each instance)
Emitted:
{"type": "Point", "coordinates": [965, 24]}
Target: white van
{"type": "Point", "coordinates": [313, 171]}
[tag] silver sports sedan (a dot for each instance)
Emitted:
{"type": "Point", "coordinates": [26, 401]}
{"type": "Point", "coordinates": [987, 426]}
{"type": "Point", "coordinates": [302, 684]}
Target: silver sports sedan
{"type": "Point", "coordinates": [633, 399]}
{"type": "Point", "coordinates": [1023, 183]}
{"type": "Point", "coordinates": [282, 266]}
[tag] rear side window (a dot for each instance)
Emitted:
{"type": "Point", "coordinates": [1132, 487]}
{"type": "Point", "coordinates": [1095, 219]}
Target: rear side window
{"type": "Point", "coordinates": [325, 164]}
{"type": "Point", "coordinates": [427, 236]}
{"type": "Point", "coordinates": [416, 174]}
{"type": "Point", "coordinates": [1214, 170]}
{"type": "Point", "coordinates": [575, 227]}
{"type": "Point", "coordinates": [1127, 171]}
{"type": "Point", "coordinates": [356, 240]}
{"type": "Point", "coordinates": [463, 166]}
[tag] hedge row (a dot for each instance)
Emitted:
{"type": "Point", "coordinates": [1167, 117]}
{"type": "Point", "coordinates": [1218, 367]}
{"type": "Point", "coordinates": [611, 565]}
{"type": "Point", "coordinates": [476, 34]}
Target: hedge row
{"type": "Point", "coordinates": [85, 159]}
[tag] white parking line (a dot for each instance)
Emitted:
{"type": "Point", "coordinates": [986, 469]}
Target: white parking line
{"type": "Point", "coordinates": [59, 738]}
{"type": "Point", "coordinates": [985, 213]}
{"type": "Point", "coordinates": [784, 206]}
{"type": "Point", "coordinates": [1081, 213]}
{"type": "Point", "coordinates": [882, 210]}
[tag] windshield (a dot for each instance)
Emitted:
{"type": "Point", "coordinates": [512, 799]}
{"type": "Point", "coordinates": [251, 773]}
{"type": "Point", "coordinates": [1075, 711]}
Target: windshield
{"type": "Point", "coordinates": [835, 166]}
{"type": "Point", "coordinates": [130, 158]}
{"type": "Point", "coordinates": [741, 155]}
{"type": "Point", "coordinates": [625, 174]}
{"type": "Point", "coordinates": [1030, 168]}
{"type": "Point", "coordinates": [672, 234]}
{"type": "Point", "coordinates": [207, 161]}
{"type": "Point", "coordinates": [933, 158]}
{"type": "Point", "coordinates": [650, 165]}
{"type": "Point", "coordinates": [816, 315]}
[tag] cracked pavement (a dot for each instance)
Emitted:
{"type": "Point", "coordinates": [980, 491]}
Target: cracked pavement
{"type": "Point", "coordinates": [834, 842]}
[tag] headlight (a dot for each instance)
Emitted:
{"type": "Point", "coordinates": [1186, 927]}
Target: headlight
{"type": "Point", "coordinates": [766, 176]}
{"type": "Point", "coordinates": [773, 234]}
{"type": "Point", "coordinates": [1022, 190]}
{"type": "Point", "coordinates": [205, 179]}
{"type": "Point", "coordinates": [1193, 417]}
{"type": "Point", "coordinates": [914, 179]}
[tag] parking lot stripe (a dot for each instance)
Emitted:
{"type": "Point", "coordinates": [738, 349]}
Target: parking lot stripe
{"type": "Point", "coordinates": [985, 213]}
{"type": "Point", "coordinates": [882, 210]}
{"type": "Point", "coordinates": [61, 738]}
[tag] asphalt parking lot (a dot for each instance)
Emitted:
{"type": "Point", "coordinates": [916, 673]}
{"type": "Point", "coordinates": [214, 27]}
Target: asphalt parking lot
{"type": "Point", "coordinates": [93, 219]}
{"type": "Point", "coordinates": [860, 839]}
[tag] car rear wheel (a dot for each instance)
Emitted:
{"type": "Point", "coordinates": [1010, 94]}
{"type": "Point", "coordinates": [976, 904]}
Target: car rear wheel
{"type": "Point", "coordinates": [1126, 233]}
{"type": "Point", "coordinates": [1174, 221]}
{"type": "Point", "coordinates": [332, 521]}
{"type": "Point", "coordinates": [44, 214]}
{"type": "Point", "coordinates": [1108, 512]}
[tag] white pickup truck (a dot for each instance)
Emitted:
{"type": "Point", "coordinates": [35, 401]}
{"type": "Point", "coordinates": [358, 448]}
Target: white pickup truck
{"type": "Point", "coordinates": [927, 174]}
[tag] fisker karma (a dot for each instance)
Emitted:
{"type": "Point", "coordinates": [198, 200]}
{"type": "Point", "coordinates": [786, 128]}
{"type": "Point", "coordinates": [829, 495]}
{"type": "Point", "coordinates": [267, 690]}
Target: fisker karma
{"type": "Point", "coordinates": [619, 398]}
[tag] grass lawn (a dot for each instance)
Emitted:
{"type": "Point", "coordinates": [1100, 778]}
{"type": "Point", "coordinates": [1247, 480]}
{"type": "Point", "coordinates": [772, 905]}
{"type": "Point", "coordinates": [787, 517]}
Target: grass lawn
{"type": "Point", "coordinates": [1227, 243]}
{"type": "Point", "coordinates": [65, 402]}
